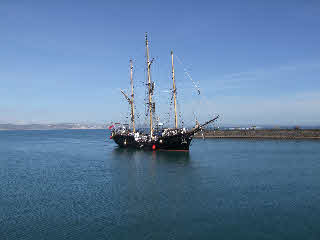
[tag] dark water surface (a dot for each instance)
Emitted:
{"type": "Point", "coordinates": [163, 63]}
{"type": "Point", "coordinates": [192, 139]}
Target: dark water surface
{"type": "Point", "coordinates": [75, 184]}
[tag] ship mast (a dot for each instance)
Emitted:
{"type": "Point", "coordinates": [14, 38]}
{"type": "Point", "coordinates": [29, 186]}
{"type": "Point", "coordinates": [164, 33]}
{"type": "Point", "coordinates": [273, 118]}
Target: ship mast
{"type": "Point", "coordinates": [150, 87]}
{"type": "Point", "coordinates": [132, 98]}
{"type": "Point", "coordinates": [174, 94]}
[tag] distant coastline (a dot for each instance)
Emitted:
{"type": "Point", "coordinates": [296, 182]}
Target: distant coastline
{"type": "Point", "coordinates": [223, 132]}
{"type": "Point", "coordinates": [58, 126]}
{"type": "Point", "coordinates": [262, 134]}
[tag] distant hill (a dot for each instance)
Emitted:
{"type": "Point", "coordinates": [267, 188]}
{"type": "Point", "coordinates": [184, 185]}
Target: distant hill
{"type": "Point", "coordinates": [9, 126]}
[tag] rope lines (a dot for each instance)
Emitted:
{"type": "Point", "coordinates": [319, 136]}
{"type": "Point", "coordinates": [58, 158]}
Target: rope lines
{"type": "Point", "coordinates": [188, 75]}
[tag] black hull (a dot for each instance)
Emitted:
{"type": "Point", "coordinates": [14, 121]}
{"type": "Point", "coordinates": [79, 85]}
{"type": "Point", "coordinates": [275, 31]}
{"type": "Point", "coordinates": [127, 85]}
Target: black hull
{"type": "Point", "coordinates": [176, 142]}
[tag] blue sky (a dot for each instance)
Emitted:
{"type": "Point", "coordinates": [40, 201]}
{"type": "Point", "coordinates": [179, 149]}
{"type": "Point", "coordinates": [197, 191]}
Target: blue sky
{"type": "Point", "coordinates": [257, 62]}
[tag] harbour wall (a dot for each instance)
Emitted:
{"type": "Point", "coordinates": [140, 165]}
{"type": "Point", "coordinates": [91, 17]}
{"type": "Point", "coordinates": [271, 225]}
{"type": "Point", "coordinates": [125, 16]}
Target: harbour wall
{"type": "Point", "coordinates": [262, 134]}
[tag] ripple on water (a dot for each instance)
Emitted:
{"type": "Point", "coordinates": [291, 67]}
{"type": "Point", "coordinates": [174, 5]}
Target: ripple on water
{"type": "Point", "coordinates": [78, 185]}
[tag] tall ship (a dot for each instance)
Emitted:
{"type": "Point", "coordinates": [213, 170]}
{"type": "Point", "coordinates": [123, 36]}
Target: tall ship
{"type": "Point", "coordinates": [175, 138]}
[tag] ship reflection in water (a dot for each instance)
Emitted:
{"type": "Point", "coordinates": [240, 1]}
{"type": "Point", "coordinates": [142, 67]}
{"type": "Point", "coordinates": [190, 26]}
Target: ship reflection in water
{"type": "Point", "coordinates": [147, 166]}
{"type": "Point", "coordinates": [181, 157]}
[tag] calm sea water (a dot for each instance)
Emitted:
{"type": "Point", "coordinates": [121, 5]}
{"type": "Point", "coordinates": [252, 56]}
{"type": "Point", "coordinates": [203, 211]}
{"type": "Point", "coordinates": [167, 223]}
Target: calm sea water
{"type": "Point", "coordinates": [77, 184]}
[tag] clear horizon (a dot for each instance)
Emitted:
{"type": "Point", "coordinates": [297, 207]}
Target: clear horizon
{"type": "Point", "coordinates": [219, 124]}
{"type": "Point", "coordinates": [257, 63]}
